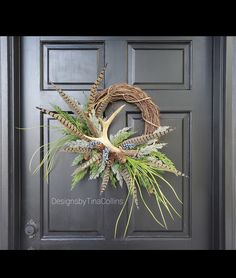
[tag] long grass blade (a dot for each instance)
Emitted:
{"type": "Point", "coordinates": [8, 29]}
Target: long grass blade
{"type": "Point", "coordinates": [162, 195]}
{"type": "Point", "coordinates": [51, 146]}
{"type": "Point", "coordinates": [128, 221]}
{"type": "Point", "coordinates": [177, 197]}
{"type": "Point", "coordinates": [121, 211]}
{"type": "Point", "coordinates": [172, 207]}
{"type": "Point", "coordinates": [148, 207]}
{"type": "Point", "coordinates": [162, 216]}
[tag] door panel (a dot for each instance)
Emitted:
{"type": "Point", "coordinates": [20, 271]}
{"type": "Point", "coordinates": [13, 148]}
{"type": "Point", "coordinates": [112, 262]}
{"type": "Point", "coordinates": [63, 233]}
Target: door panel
{"type": "Point", "coordinates": [177, 73]}
{"type": "Point", "coordinates": [160, 65]}
{"type": "Point", "coordinates": [72, 66]}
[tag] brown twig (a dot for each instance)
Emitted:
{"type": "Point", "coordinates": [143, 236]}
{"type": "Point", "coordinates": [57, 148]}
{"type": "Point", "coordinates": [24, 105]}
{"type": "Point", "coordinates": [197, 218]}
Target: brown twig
{"type": "Point", "coordinates": [149, 110]}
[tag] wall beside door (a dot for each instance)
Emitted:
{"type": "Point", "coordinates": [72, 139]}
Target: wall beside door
{"type": "Point", "coordinates": [230, 144]}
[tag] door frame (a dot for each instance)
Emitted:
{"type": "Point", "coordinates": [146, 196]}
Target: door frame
{"type": "Point", "coordinates": [223, 226]}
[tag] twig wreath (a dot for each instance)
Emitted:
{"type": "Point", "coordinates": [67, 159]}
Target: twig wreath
{"type": "Point", "coordinates": [122, 158]}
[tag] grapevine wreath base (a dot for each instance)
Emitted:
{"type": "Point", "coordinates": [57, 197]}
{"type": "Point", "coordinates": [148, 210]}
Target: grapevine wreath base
{"type": "Point", "coordinates": [121, 158]}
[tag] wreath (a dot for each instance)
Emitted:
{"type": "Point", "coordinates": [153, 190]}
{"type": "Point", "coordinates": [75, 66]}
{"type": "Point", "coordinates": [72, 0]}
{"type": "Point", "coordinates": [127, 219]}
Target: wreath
{"type": "Point", "coordinates": [122, 158]}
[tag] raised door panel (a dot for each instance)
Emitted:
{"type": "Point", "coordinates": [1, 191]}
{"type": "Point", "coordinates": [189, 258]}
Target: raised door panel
{"type": "Point", "coordinates": [71, 65]}
{"type": "Point", "coordinates": [160, 65]}
{"type": "Point", "coordinates": [176, 73]}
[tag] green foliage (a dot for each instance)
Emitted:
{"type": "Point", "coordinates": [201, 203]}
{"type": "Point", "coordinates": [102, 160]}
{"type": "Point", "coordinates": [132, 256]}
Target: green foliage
{"type": "Point", "coordinates": [81, 126]}
{"type": "Point", "coordinates": [96, 169]}
{"type": "Point", "coordinates": [116, 168]}
{"type": "Point", "coordinates": [78, 177]}
{"type": "Point", "coordinates": [143, 174]}
{"type": "Point", "coordinates": [161, 156]}
{"type": "Point", "coordinates": [117, 140]}
{"type": "Point", "coordinates": [113, 179]}
{"type": "Point", "coordinates": [148, 149]}
{"type": "Point", "coordinates": [93, 171]}
{"type": "Point", "coordinates": [146, 175]}
{"type": "Point", "coordinates": [64, 114]}
{"type": "Point", "coordinates": [77, 159]}
{"type": "Point", "coordinates": [50, 151]}
{"type": "Point", "coordinates": [71, 137]}
{"type": "Point", "coordinates": [101, 168]}
{"type": "Point", "coordinates": [140, 171]}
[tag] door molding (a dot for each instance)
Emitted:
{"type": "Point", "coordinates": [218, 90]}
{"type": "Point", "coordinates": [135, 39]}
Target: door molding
{"type": "Point", "coordinates": [9, 142]}
{"type": "Point", "coordinates": [223, 176]}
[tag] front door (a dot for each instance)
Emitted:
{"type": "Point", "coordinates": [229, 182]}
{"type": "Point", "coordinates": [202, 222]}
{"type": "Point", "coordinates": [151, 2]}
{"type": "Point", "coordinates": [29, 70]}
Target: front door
{"type": "Point", "coordinates": [177, 73]}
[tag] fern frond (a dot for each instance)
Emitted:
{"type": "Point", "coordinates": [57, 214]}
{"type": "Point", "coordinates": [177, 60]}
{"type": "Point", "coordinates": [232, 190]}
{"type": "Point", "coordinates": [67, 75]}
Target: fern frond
{"type": "Point", "coordinates": [99, 170]}
{"type": "Point", "coordinates": [77, 159]}
{"type": "Point", "coordinates": [159, 164]}
{"type": "Point", "coordinates": [163, 158]}
{"type": "Point", "coordinates": [78, 177]}
{"type": "Point", "coordinates": [113, 179]}
{"type": "Point", "coordinates": [93, 171]}
{"type": "Point", "coordinates": [80, 125]}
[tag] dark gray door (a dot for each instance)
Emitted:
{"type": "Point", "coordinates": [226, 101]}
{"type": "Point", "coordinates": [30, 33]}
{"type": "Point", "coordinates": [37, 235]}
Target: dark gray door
{"type": "Point", "coordinates": [177, 73]}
